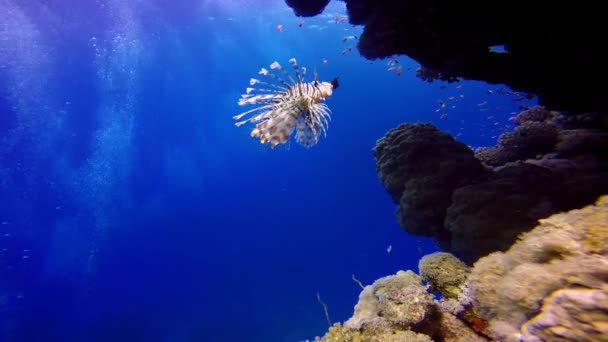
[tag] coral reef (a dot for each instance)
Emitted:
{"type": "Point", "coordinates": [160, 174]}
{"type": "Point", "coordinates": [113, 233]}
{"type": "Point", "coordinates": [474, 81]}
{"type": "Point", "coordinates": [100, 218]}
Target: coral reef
{"type": "Point", "coordinates": [549, 163]}
{"type": "Point", "coordinates": [400, 308]}
{"type": "Point", "coordinates": [541, 55]}
{"type": "Point", "coordinates": [552, 284]}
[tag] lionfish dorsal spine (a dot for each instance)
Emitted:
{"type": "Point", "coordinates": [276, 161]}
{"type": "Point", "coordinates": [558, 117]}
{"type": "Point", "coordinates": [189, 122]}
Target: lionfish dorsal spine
{"type": "Point", "coordinates": [268, 73]}
{"type": "Point", "coordinates": [296, 68]}
{"type": "Point", "coordinates": [255, 81]}
{"type": "Point", "coordinates": [277, 65]}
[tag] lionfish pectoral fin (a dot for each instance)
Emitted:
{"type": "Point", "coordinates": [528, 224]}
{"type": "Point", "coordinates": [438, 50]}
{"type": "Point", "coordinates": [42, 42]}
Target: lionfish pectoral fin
{"type": "Point", "coordinates": [275, 130]}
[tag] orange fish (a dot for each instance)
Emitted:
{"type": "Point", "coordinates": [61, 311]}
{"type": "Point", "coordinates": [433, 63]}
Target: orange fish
{"type": "Point", "coordinates": [301, 23]}
{"type": "Point", "coordinates": [399, 70]}
{"type": "Point", "coordinates": [350, 48]}
{"type": "Point", "coordinates": [280, 28]}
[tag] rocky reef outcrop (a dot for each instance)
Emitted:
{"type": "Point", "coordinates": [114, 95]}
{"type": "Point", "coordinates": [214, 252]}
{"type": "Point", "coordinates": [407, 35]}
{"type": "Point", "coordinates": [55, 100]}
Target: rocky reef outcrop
{"type": "Point", "coordinates": [550, 50]}
{"type": "Point", "coordinates": [473, 204]}
{"type": "Point", "coordinates": [420, 167]}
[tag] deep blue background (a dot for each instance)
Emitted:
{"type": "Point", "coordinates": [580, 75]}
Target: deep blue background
{"type": "Point", "coordinates": [132, 208]}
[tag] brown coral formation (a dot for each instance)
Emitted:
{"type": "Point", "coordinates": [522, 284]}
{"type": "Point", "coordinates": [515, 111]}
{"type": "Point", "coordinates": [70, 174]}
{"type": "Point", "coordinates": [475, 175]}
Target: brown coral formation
{"type": "Point", "coordinates": [548, 164]}
{"type": "Point", "coordinates": [552, 285]}
{"type": "Point", "coordinates": [420, 166]}
{"type": "Point", "coordinates": [400, 308]}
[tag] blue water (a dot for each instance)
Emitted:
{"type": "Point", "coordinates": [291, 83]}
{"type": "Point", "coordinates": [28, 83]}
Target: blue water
{"type": "Point", "coordinates": [132, 208]}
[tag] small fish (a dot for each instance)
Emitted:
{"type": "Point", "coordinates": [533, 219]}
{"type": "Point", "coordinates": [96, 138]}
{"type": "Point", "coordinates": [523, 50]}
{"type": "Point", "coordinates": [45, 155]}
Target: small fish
{"type": "Point", "coordinates": [301, 23]}
{"type": "Point", "coordinates": [346, 38]}
{"type": "Point", "coordinates": [399, 70]}
{"type": "Point", "coordinates": [325, 61]}
{"type": "Point", "coordinates": [280, 28]}
{"type": "Point", "coordinates": [389, 249]}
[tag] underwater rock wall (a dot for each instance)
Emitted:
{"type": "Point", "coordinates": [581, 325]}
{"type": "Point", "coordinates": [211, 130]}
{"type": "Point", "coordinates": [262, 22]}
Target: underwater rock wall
{"type": "Point", "coordinates": [552, 285]}
{"type": "Point", "coordinates": [550, 50]}
{"type": "Point", "coordinates": [473, 204]}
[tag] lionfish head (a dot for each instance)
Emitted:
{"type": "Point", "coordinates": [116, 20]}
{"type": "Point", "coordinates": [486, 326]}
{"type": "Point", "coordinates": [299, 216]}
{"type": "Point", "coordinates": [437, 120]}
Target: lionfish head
{"type": "Point", "coordinates": [325, 89]}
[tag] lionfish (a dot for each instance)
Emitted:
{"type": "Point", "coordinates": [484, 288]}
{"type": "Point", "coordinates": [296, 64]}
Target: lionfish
{"type": "Point", "coordinates": [287, 106]}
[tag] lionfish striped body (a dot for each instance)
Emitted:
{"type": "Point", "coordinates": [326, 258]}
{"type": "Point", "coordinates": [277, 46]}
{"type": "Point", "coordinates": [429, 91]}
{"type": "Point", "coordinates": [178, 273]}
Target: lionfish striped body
{"type": "Point", "coordinates": [287, 106]}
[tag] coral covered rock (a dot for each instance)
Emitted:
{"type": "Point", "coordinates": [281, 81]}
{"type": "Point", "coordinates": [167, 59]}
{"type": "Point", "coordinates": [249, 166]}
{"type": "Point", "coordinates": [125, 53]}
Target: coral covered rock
{"type": "Point", "coordinates": [567, 251]}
